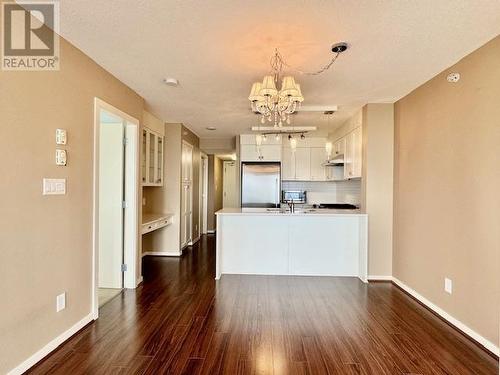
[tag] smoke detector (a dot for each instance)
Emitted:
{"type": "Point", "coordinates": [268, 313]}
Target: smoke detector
{"type": "Point", "coordinates": [171, 82]}
{"type": "Point", "coordinates": [453, 77]}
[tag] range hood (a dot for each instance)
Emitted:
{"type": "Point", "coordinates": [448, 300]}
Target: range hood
{"type": "Point", "coordinates": [337, 160]}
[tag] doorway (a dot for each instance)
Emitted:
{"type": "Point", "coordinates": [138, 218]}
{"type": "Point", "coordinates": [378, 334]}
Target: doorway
{"type": "Point", "coordinates": [230, 195]}
{"type": "Point", "coordinates": [115, 203]}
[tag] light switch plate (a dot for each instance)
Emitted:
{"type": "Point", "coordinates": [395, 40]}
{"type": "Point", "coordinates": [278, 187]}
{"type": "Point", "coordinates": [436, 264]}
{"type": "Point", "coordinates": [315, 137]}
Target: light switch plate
{"type": "Point", "coordinates": [61, 302]}
{"type": "Point", "coordinates": [61, 157]}
{"type": "Point", "coordinates": [61, 137]}
{"type": "Point", "coordinates": [54, 186]}
{"type": "Point", "coordinates": [448, 285]}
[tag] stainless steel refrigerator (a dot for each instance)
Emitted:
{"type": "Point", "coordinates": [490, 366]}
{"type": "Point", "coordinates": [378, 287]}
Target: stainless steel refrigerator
{"type": "Point", "coordinates": [260, 184]}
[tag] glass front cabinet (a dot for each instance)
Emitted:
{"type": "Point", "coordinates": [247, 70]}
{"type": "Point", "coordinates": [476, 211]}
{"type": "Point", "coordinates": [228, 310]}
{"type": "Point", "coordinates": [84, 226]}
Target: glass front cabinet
{"type": "Point", "coordinates": [151, 158]}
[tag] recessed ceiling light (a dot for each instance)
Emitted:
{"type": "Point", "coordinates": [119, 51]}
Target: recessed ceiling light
{"type": "Point", "coordinates": [171, 82]}
{"type": "Point", "coordinates": [211, 128]}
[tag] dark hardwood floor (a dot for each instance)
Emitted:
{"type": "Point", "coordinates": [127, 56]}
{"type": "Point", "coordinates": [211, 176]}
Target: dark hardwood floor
{"type": "Point", "coordinates": [180, 321]}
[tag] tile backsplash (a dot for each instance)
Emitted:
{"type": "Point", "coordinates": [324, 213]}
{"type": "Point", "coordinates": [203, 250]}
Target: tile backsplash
{"type": "Point", "coordinates": [327, 191]}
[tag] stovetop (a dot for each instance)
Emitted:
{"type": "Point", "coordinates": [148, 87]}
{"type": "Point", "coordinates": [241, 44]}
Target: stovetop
{"type": "Point", "coordinates": [336, 206]}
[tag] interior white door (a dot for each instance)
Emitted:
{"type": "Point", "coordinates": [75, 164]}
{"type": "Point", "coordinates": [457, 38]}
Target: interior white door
{"type": "Point", "coordinates": [111, 159]}
{"type": "Point", "coordinates": [204, 194]}
{"type": "Point", "coordinates": [229, 195]}
{"type": "Point", "coordinates": [187, 215]}
{"type": "Point", "coordinates": [187, 194]}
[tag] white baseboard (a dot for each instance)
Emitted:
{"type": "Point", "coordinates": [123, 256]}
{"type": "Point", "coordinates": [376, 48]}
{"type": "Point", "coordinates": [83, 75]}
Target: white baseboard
{"type": "Point", "coordinates": [162, 253]}
{"type": "Point", "coordinates": [379, 278]}
{"type": "Point", "coordinates": [194, 241]}
{"type": "Point", "coordinates": [139, 280]}
{"type": "Point", "coordinates": [450, 319]}
{"type": "Point", "coordinates": [47, 349]}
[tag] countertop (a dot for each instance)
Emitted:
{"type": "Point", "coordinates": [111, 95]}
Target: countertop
{"type": "Point", "coordinates": [298, 212]}
{"type": "Point", "coordinates": [148, 218]}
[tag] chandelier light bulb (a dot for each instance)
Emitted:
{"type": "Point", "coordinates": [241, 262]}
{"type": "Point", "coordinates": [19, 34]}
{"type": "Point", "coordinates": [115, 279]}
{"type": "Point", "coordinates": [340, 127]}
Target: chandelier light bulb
{"type": "Point", "coordinates": [328, 148]}
{"type": "Point", "coordinates": [264, 137]}
{"type": "Point", "coordinates": [277, 137]}
{"type": "Point", "coordinates": [258, 139]}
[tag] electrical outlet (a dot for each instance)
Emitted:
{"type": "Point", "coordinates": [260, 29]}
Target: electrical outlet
{"type": "Point", "coordinates": [61, 302]}
{"type": "Point", "coordinates": [448, 285]}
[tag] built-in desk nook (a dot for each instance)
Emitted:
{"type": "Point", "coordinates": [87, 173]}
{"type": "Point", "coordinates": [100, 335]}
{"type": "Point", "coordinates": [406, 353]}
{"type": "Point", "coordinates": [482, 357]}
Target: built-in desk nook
{"type": "Point", "coordinates": [152, 222]}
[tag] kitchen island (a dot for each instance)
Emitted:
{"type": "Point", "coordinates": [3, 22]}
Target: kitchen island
{"type": "Point", "coordinates": [307, 242]}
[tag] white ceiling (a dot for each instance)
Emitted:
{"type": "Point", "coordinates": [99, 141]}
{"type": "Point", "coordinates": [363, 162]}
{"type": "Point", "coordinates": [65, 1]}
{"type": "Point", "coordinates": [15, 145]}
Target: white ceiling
{"type": "Point", "coordinates": [217, 48]}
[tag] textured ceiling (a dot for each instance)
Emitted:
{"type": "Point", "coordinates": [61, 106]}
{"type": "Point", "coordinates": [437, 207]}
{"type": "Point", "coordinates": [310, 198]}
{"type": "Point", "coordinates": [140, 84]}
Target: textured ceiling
{"type": "Point", "coordinates": [216, 49]}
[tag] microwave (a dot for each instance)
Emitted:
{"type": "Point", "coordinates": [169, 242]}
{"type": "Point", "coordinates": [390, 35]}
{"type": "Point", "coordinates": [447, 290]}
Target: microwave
{"type": "Point", "coordinates": [296, 196]}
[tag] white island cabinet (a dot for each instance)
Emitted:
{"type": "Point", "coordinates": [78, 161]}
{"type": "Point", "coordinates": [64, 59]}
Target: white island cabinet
{"type": "Point", "coordinates": [317, 243]}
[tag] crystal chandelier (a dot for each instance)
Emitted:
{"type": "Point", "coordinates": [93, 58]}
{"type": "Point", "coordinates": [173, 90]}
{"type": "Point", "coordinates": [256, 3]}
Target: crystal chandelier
{"type": "Point", "coordinates": [277, 105]}
{"type": "Point", "coordinates": [273, 104]}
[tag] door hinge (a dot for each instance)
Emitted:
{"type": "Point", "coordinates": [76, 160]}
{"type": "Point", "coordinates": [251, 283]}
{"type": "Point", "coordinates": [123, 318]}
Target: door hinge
{"type": "Point", "coordinates": [124, 204]}
{"type": "Point", "coordinates": [125, 141]}
{"type": "Point", "coordinates": [124, 267]}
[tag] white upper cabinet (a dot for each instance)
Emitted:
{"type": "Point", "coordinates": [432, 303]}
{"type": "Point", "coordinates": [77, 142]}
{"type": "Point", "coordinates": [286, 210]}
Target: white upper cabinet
{"type": "Point", "coordinates": [260, 153]}
{"type": "Point", "coordinates": [302, 163]}
{"type": "Point", "coordinates": [306, 163]}
{"type": "Point", "coordinates": [151, 158]}
{"type": "Point", "coordinates": [318, 158]}
{"type": "Point", "coordinates": [339, 147]}
{"type": "Point", "coordinates": [287, 165]}
{"type": "Point", "coordinates": [353, 154]}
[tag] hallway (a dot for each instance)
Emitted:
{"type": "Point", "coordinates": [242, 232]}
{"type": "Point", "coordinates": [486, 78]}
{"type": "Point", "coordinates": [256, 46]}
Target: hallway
{"type": "Point", "coordinates": [180, 321]}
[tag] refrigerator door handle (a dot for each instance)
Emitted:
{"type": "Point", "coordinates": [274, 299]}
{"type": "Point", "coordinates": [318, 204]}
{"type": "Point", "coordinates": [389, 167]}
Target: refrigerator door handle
{"type": "Point", "coordinates": [277, 192]}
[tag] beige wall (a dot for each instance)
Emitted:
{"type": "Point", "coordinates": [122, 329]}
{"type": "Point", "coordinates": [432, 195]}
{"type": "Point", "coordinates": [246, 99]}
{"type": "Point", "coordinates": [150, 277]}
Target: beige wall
{"type": "Point", "coordinates": [218, 145]}
{"type": "Point", "coordinates": [348, 126]}
{"type": "Point", "coordinates": [152, 122]}
{"type": "Point", "coordinates": [377, 185]}
{"type": "Point", "coordinates": [215, 187]}
{"type": "Point", "coordinates": [46, 241]}
{"type": "Point", "coordinates": [447, 183]}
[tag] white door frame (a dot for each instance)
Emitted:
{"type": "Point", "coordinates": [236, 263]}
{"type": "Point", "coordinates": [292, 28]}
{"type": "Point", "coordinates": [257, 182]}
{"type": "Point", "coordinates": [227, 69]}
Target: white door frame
{"type": "Point", "coordinates": [131, 196]}
{"type": "Point", "coordinates": [225, 182]}
{"type": "Point", "coordinates": [189, 184]}
{"type": "Point", "coordinates": [203, 193]}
